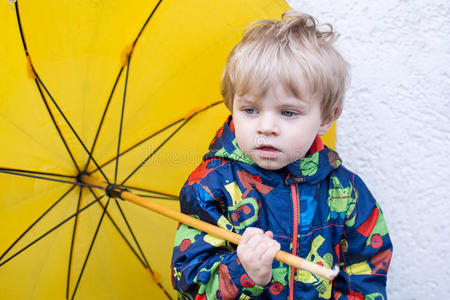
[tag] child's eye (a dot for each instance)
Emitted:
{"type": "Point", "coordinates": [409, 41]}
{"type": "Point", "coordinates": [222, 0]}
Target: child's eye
{"type": "Point", "coordinates": [288, 113]}
{"type": "Point", "coordinates": [249, 111]}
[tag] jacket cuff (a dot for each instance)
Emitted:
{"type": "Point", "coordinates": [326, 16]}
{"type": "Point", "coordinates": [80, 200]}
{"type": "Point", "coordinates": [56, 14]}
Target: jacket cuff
{"type": "Point", "coordinates": [241, 279]}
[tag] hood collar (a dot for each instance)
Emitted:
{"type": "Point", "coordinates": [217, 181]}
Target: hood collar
{"type": "Point", "coordinates": [315, 166]}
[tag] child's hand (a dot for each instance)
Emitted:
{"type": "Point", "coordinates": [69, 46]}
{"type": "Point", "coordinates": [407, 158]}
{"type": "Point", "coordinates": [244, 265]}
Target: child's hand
{"type": "Point", "coordinates": [256, 252]}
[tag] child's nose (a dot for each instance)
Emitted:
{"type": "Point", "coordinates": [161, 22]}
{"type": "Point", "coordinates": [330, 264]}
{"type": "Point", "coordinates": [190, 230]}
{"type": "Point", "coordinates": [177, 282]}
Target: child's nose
{"type": "Point", "coordinates": [268, 125]}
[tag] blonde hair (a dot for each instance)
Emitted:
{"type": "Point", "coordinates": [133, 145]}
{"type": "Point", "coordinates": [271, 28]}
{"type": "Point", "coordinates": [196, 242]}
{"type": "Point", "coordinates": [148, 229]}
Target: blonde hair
{"type": "Point", "coordinates": [293, 51]}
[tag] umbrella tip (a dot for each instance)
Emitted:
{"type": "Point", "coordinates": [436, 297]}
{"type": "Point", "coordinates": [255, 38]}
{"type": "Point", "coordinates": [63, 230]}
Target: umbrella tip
{"type": "Point", "coordinates": [11, 3]}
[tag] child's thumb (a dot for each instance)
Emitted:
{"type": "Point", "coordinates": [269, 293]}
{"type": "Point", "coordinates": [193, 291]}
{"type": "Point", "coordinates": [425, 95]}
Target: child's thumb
{"type": "Point", "coordinates": [269, 234]}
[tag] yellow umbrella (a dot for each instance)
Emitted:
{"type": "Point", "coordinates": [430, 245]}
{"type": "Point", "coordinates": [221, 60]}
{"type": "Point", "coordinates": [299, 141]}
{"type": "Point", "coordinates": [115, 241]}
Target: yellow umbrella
{"type": "Point", "coordinates": [127, 92]}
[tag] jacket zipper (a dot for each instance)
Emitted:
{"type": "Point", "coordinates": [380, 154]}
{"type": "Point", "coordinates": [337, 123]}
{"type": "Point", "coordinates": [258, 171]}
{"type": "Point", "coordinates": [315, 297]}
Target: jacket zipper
{"type": "Point", "coordinates": [296, 212]}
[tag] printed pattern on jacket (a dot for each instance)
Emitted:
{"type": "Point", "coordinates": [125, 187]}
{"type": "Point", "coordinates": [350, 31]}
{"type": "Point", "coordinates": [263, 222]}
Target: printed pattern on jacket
{"type": "Point", "coordinates": [338, 223]}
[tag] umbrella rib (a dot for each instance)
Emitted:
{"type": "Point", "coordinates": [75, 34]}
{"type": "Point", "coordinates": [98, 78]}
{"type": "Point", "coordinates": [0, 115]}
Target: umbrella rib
{"type": "Point", "coordinates": [48, 232]}
{"type": "Point", "coordinates": [116, 169]}
{"type": "Point", "coordinates": [142, 253]}
{"type": "Point", "coordinates": [49, 179]}
{"type": "Point", "coordinates": [143, 260]}
{"type": "Point", "coordinates": [186, 120]}
{"type": "Point", "coordinates": [56, 125]}
{"type": "Point", "coordinates": [156, 150]}
{"type": "Point", "coordinates": [115, 84]}
{"type": "Point", "coordinates": [147, 265]}
{"type": "Point", "coordinates": [35, 222]}
{"type": "Point", "coordinates": [36, 172]}
{"type": "Point", "coordinates": [120, 231]}
{"type": "Point", "coordinates": [138, 144]}
{"type": "Point", "coordinates": [71, 127]}
{"type": "Point", "coordinates": [39, 82]}
{"type": "Point", "coordinates": [72, 244]}
{"type": "Point", "coordinates": [16, 5]}
{"type": "Point", "coordinates": [90, 249]}
{"type": "Point", "coordinates": [146, 22]}
{"type": "Point", "coordinates": [103, 118]}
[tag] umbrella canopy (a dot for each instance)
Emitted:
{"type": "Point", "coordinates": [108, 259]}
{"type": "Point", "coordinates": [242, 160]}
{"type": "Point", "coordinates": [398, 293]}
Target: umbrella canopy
{"type": "Point", "coordinates": [127, 92]}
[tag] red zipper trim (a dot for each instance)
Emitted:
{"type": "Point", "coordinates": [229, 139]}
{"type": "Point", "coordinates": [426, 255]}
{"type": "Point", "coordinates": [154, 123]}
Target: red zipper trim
{"type": "Point", "coordinates": [294, 236]}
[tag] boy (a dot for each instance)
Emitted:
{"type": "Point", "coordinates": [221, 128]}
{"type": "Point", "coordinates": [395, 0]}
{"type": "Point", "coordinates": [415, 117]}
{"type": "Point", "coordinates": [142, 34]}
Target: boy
{"type": "Point", "coordinates": [269, 177]}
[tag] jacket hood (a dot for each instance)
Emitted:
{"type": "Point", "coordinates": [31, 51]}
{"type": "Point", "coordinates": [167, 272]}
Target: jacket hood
{"type": "Point", "coordinates": [315, 166]}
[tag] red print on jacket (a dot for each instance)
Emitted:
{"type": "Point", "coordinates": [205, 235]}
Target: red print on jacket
{"type": "Point", "coordinates": [218, 135]}
{"type": "Point", "coordinates": [252, 182]}
{"type": "Point", "coordinates": [367, 227]}
{"type": "Point", "coordinates": [381, 261]}
{"type": "Point", "coordinates": [202, 171]}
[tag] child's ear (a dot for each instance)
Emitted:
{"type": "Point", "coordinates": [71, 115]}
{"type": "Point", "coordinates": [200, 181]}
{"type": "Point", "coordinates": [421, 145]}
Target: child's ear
{"type": "Point", "coordinates": [325, 126]}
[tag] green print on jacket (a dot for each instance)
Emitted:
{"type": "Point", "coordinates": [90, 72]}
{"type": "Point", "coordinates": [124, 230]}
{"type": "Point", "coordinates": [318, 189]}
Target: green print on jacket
{"type": "Point", "coordinates": [322, 285]}
{"type": "Point", "coordinates": [341, 202]}
{"type": "Point", "coordinates": [244, 208]}
{"type": "Point", "coordinates": [237, 154]}
{"type": "Point", "coordinates": [309, 165]}
{"type": "Point", "coordinates": [372, 296]}
{"type": "Point", "coordinates": [186, 235]}
{"type": "Point", "coordinates": [210, 287]}
{"type": "Point", "coordinates": [280, 274]}
{"type": "Point", "coordinates": [374, 228]}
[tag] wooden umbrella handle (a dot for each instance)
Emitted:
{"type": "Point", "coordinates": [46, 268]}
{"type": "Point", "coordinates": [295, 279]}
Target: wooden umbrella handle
{"type": "Point", "coordinates": [282, 256]}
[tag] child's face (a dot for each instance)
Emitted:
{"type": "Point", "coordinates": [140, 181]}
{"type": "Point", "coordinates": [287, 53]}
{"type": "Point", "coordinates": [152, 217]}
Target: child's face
{"type": "Point", "coordinates": [277, 128]}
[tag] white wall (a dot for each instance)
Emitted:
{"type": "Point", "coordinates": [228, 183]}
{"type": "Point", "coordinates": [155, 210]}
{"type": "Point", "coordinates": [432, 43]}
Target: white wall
{"type": "Point", "coordinates": [395, 129]}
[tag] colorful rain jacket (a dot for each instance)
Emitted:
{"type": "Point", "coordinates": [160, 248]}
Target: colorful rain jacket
{"type": "Point", "coordinates": [316, 208]}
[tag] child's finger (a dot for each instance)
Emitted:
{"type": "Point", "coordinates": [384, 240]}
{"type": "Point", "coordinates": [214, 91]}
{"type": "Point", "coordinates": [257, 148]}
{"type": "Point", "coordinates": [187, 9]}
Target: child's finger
{"type": "Point", "coordinates": [259, 245]}
{"type": "Point", "coordinates": [249, 233]}
{"type": "Point", "coordinates": [269, 255]}
{"type": "Point", "coordinates": [269, 234]}
{"type": "Point", "coordinates": [255, 241]}
{"type": "Point", "coordinates": [267, 242]}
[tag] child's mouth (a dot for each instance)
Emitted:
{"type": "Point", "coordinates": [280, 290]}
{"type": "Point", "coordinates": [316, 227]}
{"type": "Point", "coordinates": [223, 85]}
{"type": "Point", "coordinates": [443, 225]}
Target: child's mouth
{"type": "Point", "coordinates": [268, 151]}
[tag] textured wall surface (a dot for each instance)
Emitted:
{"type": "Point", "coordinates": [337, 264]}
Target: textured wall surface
{"type": "Point", "coordinates": [395, 129]}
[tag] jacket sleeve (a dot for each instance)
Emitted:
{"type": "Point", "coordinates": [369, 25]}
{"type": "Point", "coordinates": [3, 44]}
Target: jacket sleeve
{"type": "Point", "coordinates": [205, 267]}
{"type": "Point", "coordinates": [366, 249]}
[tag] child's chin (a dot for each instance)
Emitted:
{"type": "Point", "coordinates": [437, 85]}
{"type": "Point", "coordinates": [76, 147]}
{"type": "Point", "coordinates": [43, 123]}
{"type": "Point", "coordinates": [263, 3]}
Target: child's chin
{"type": "Point", "coordinates": [270, 164]}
